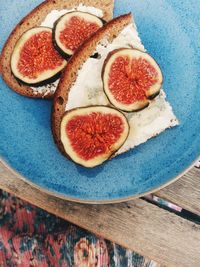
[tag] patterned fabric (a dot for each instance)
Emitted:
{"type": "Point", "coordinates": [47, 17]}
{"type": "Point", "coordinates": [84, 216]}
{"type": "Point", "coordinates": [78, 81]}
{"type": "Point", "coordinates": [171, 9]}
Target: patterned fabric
{"type": "Point", "coordinates": [30, 236]}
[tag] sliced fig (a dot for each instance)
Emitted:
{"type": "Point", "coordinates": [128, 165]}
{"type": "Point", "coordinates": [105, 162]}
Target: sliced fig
{"type": "Point", "coordinates": [130, 79]}
{"type": "Point", "coordinates": [34, 60]}
{"type": "Point", "coordinates": [72, 29]}
{"type": "Point", "coordinates": [90, 135]}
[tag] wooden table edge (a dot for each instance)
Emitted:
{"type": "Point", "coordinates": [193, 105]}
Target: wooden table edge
{"type": "Point", "coordinates": [4, 167]}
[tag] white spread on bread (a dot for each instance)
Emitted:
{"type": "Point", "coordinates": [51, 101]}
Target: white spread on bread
{"type": "Point", "coordinates": [46, 89]}
{"type": "Point", "coordinates": [88, 90]}
{"type": "Point", "coordinates": [48, 22]}
{"type": "Point", "coordinates": [56, 14]}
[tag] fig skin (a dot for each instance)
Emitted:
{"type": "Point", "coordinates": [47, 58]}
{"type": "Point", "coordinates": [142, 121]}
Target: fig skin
{"type": "Point", "coordinates": [56, 46]}
{"type": "Point", "coordinates": [144, 104]}
{"type": "Point", "coordinates": [127, 127]}
{"type": "Point", "coordinates": [151, 97]}
{"type": "Point", "coordinates": [60, 51]}
{"type": "Point", "coordinates": [47, 81]}
{"type": "Point", "coordinates": [142, 107]}
{"type": "Point", "coordinates": [42, 83]}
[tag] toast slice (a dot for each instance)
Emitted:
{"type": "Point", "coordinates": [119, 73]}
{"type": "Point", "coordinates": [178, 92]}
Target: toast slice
{"type": "Point", "coordinates": [36, 18]}
{"type": "Point", "coordinates": [69, 76]}
{"type": "Point", "coordinates": [81, 85]}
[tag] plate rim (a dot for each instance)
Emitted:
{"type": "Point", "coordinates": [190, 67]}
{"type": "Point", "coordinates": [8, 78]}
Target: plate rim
{"type": "Point", "coordinates": [116, 199]}
{"type": "Point", "coordinates": [95, 202]}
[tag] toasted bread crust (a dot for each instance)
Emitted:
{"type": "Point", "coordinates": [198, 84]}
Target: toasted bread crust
{"type": "Point", "coordinates": [110, 31]}
{"type": "Point", "coordinates": [33, 19]}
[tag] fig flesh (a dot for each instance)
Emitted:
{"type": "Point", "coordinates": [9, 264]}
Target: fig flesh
{"type": "Point", "coordinates": [90, 135]}
{"type": "Point", "coordinates": [131, 78]}
{"type": "Point", "coordinates": [72, 29]}
{"type": "Point", "coordinates": [34, 60]}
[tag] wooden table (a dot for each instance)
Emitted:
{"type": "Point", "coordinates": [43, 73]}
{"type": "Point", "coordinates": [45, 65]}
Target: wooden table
{"type": "Point", "coordinates": [139, 225]}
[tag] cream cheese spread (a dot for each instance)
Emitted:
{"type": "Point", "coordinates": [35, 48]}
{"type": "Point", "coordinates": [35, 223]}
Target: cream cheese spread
{"type": "Point", "coordinates": [88, 90]}
{"type": "Point", "coordinates": [56, 14]}
{"type": "Point", "coordinates": [49, 22]}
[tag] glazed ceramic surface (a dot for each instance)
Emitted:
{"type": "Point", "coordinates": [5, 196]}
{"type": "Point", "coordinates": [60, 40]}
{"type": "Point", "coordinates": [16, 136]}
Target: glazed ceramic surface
{"type": "Point", "coordinates": [169, 30]}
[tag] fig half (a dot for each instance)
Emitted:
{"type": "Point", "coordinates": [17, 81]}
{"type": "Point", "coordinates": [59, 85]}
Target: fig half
{"type": "Point", "coordinates": [72, 29]}
{"type": "Point", "coordinates": [34, 60]}
{"type": "Point", "coordinates": [130, 79]}
{"type": "Point", "coordinates": [90, 135]}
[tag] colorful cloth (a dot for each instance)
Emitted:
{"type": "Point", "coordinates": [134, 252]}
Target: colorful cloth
{"type": "Point", "coordinates": [30, 236]}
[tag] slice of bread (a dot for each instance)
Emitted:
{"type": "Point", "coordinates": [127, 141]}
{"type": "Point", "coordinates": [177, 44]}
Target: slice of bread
{"type": "Point", "coordinates": [81, 85]}
{"type": "Point", "coordinates": [69, 76]}
{"type": "Point", "coordinates": [33, 19]}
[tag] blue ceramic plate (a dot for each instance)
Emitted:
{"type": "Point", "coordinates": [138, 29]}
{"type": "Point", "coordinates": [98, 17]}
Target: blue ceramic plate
{"type": "Point", "coordinates": [170, 31]}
